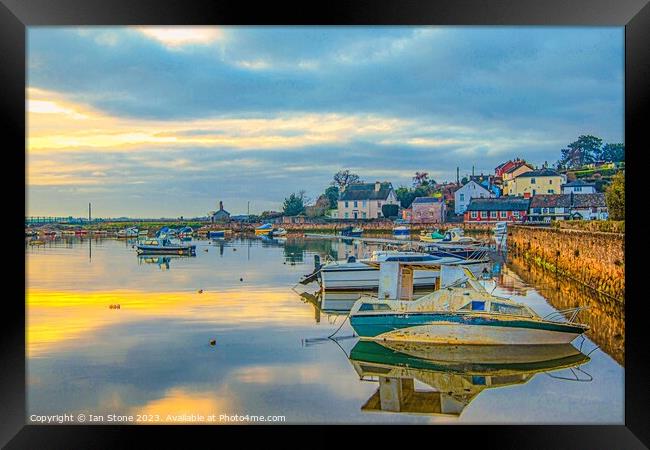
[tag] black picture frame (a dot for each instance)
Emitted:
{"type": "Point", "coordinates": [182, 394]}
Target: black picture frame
{"type": "Point", "coordinates": [634, 15]}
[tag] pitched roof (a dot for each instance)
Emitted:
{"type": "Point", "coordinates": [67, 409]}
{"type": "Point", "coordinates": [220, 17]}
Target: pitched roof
{"type": "Point", "coordinates": [499, 204]}
{"type": "Point", "coordinates": [589, 200]}
{"type": "Point", "coordinates": [427, 200]}
{"type": "Point", "coordinates": [366, 191]}
{"type": "Point", "coordinates": [518, 165]}
{"type": "Point", "coordinates": [568, 201]}
{"type": "Point", "coordinates": [469, 183]}
{"type": "Point", "coordinates": [540, 173]}
{"type": "Point", "coordinates": [551, 201]}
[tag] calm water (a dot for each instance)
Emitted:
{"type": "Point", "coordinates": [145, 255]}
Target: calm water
{"type": "Point", "coordinates": [153, 355]}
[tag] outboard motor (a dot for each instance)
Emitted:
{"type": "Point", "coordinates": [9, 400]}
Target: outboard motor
{"type": "Point", "coordinates": [352, 259]}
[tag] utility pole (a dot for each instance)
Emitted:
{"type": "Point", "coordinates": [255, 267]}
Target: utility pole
{"type": "Point", "coordinates": [457, 175]}
{"type": "Point", "coordinates": [90, 216]}
{"type": "Point", "coordinates": [248, 208]}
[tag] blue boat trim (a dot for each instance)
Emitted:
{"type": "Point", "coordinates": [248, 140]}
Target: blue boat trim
{"type": "Point", "coordinates": [375, 324]}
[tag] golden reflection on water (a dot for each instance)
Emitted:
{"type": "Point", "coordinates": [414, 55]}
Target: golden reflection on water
{"type": "Point", "coordinates": [56, 318]}
{"type": "Point", "coordinates": [605, 316]}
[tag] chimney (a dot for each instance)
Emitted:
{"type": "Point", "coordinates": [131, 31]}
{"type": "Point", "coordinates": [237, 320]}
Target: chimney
{"type": "Point", "coordinates": [377, 186]}
{"type": "Point", "coordinates": [220, 205]}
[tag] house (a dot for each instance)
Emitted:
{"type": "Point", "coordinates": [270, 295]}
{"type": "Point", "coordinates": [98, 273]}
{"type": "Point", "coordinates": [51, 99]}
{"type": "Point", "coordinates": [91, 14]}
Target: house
{"type": "Point", "coordinates": [502, 209]}
{"type": "Point", "coordinates": [428, 210]}
{"type": "Point", "coordinates": [506, 166]}
{"type": "Point", "coordinates": [364, 200]}
{"type": "Point", "coordinates": [535, 182]}
{"type": "Point", "coordinates": [463, 195]}
{"type": "Point", "coordinates": [579, 187]}
{"type": "Point", "coordinates": [545, 208]}
{"type": "Point", "coordinates": [518, 167]}
{"type": "Point", "coordinates": [221, 215]}
{"type": "Point", "coordinates": [589, 207]}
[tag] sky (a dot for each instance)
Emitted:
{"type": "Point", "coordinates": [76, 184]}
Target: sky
{"type": "Point", "coordinates": [168, 121]}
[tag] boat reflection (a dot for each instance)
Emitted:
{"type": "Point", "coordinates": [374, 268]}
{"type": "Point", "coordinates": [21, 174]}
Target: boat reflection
{"type": "Point", "coordinates": [456, 374]}
{"type": "Point", "coordinates": [163, 262]}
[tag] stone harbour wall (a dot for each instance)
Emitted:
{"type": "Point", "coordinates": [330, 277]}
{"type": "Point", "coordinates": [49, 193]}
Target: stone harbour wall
{"type": "Point", "coordinates": [595, 259]}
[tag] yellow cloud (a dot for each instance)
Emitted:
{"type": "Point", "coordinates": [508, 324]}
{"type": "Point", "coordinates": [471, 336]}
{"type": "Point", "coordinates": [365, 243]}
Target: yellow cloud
{"type": "Point", "coordinates": [178, 36]}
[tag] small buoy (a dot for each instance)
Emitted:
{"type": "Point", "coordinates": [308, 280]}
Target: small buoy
{"type": "Point", "coordinates": [205, 250]}
{"type": "Point", "coordinates": [241, 279]}
{"type": "Point", "coordinates": [234, 249]}
{"type": "Point", "coordinates": [200, 291]}
{"type": "Point", "coordinates": [213, 341]}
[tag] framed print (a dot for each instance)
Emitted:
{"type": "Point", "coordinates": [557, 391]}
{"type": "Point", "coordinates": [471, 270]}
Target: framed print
{"type": "Point", "coordinates": [353, 215]}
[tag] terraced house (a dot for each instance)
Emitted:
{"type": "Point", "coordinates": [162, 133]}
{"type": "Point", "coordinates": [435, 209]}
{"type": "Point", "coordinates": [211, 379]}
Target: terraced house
{"type": "Point", "coordinates": [500, 209]}
{"type": "Point", "coordinates": [364, 200]}
{"type": "Point", "coordinates": [545, 208]}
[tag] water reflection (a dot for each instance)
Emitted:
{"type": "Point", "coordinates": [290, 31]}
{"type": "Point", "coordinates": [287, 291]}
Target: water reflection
{"type": "Point", "coordinates": [605, 316]}
{"type": "Point", "coordinates": [454, 375]}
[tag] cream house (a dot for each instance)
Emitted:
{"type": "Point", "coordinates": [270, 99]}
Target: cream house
{"type": "Point", "coordinates": [535, 182]}
{"type": "Point", "coordinates": [364, 200]}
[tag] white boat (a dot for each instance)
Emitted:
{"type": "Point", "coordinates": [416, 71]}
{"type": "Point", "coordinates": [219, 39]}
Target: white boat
{"type": "Point", "coordinates": [401, 231]}
{"type": "Point", "coordinates": [128, 232]}
{"type": "Point", "coordinates": [500, 228]}
{"type": "Point", "coordinates": [357, 275]}
{"type": "Point", "coordinates": [278, 232]}
{"type": "Point", "coordinates": [462, 311]}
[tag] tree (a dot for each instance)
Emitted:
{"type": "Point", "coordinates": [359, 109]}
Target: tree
{"type": "Point", "coordinates": [581, 152]}
{"type": "Point", "coordinates": [343, 178]}
{"type": "Point", "coordinates": [294, 204]}
{"type": "Point", "coordinates": [319, 208]}
{"type": "Point", "coordinates": [406, 195]}
{"type": "Point", "coordinates": [332, 193]}
{"type": "Point", "coordinates": [389, 210]}
{"type": "Point", "coordinates": [613, 152]}
{"type": "Point", "coordinates": [421, 179]}
{"type": "Point", "coordinates": [615, 197]}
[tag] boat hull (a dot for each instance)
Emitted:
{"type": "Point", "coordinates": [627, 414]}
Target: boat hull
{"type": "Point", "coordinates": [151, 250]}
{"type": "Point", "coordinates": [441, 328]}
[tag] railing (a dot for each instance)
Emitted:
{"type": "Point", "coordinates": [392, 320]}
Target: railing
{"type": "Point", "coordinates": [556, 315]}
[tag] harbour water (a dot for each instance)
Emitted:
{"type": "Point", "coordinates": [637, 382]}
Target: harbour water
{"type": "Point", "coordinates": [223, 333]}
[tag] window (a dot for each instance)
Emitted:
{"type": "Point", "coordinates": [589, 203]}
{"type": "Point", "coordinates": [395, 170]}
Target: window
{"type": "Point", "coordinates": [545, 210]}
{"type": "Point", "coordinates": [483, 214]}
{"type": "Point", "coordinates": [378, 214]}
{"type": "Point", "coordinates": [474, 305]}
{"type": "Point", "coordinates": [550, 181]}
{"type": "Point", "coordinates": [577, 188]}
{"type": "Point", "coordinates": [537, 210]}
{"type": "Point", "coordinates": [356, 204]}
{"type": "Point", "coordinates": [515, 214]}
{"type": "Point", "coordinates": [474, 214]}
{"type": "Point", "coordinates": [509, 309]}
{"type": "Point", "coordinates": [363, 203]}
{"type": "Point", "coordinates": [534, 191]}
{"type": "Point", "coordinates": [551, 210]}
{"type": "Point", "coordinates": [503, 214]}
{"type": "Point", "coordinates": [378, 204]}
{"type": "Point", "coordinates": [363, 215]}
{"type": "Point", "coordinates": [532, 181]}
{"type": "Point", "coordinates": [493, 214]}
{"type": "Point", "coordinates": [550, 191]}
{"type": "Point", "coordinates": [347, 205]}
{"type": "Point", "coordinates": [347, 215]}
{"type": "Point", "coordinates": [462, 197]}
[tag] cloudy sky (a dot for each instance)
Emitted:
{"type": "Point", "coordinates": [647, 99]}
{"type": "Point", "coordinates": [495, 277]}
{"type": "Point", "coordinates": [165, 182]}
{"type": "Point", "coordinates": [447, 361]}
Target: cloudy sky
{"type": "Point", "coordinates": [151, 122]}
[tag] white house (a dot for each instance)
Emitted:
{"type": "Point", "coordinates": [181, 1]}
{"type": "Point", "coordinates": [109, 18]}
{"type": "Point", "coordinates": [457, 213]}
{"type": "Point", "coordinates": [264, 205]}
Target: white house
{"type": "Point", "coordinates": [579, 187]}
{"type": "Point", "coordinates": [471, 190]}
{"type": "Point", "coordinates": [364, 200]}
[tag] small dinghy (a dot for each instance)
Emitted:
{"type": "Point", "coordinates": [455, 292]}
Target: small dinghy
{"type": "Point", "coordinates": [263, 230]}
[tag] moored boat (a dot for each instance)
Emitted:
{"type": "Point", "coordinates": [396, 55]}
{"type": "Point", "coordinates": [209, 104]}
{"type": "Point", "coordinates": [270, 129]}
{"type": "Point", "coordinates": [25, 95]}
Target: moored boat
{"type": "Point", "coordinates": [216, 234]}
{"type": "Point", "coordinates": [431, 236]}
{"type": "Point", "coordinates": [354, 274]}
{"type": "Point", "coordinates": [164, 246]}
{"type": "Point", "coordinates": [401, 230]}
{"type": "Point", "coordinates": [263, 230]}
{"type": "Point", "coordinates": [352, 231]}
{"type": "Point", "coordinates": [128, 232]}
{"type": "Point", "coordinates": [278, 232]}
{"type": "Point", "coordinates": [460, 312]}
